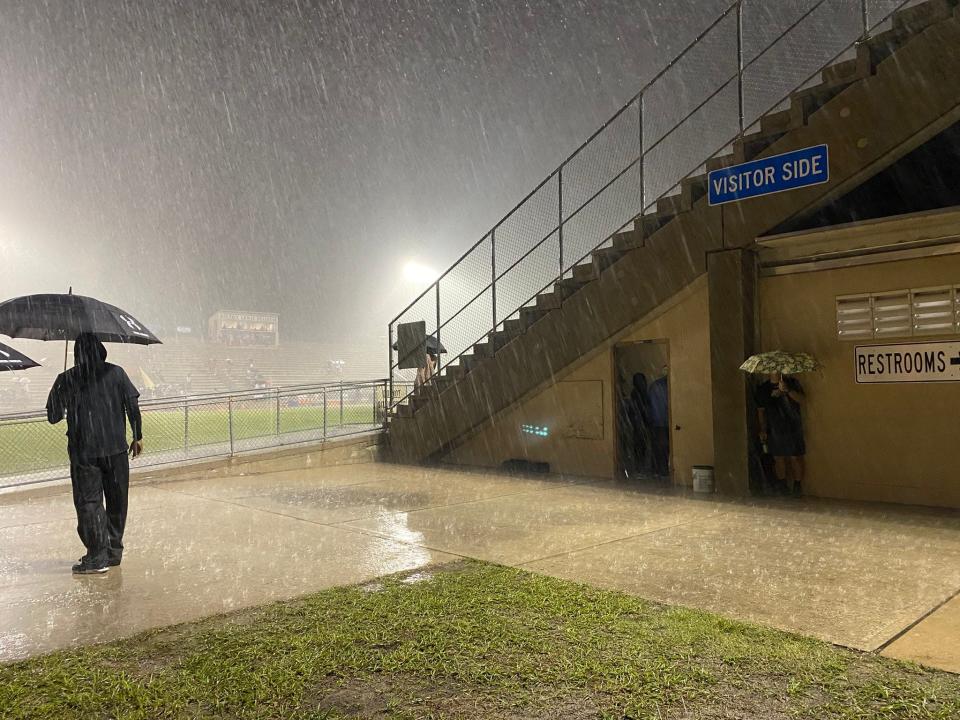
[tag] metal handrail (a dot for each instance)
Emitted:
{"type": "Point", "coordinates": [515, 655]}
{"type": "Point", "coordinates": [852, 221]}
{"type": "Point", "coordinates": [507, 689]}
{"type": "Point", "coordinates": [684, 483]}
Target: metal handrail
{"type": "Point", "coordinates": [867, 27]}
{"type": "Point", "coordinates": [211, 398]}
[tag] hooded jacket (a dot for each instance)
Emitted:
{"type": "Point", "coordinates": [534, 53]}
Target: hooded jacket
{"type": "Point", "coordinates": [97, 398]}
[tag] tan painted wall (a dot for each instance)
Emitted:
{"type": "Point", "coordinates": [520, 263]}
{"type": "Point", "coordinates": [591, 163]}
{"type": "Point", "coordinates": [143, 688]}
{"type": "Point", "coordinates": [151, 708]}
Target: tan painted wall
{"type": "Point", "coordinates": [683, 321]}
{"type": "Point", "coordinates": [893, 443]}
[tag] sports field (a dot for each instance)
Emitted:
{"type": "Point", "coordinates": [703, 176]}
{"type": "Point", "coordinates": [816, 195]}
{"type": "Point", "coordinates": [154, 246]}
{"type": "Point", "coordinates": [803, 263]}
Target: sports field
{"type": "Point", "coordinates": [35, 445]}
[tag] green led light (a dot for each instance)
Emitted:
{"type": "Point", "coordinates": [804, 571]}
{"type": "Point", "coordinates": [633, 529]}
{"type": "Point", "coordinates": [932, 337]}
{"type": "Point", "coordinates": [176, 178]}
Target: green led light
{"type": "Point", "coordinates": [537, 430]}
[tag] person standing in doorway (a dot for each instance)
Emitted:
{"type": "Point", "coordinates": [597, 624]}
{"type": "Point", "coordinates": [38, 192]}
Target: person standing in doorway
{"type": "Point", "coordinates": [97, 399]}
{"type": "Point", "coordinates": [640, 424]}
{"type": "Point", "coordinates": [659, 399]}
{"type": "Point", "coordinates": [779, 402]}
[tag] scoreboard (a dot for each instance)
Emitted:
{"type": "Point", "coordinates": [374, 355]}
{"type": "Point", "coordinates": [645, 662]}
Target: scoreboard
{"type": "Point", "coordinates": [244, 329]}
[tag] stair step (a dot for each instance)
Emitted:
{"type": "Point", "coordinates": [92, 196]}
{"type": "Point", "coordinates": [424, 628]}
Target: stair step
{"type": "Point", "coordinates": [567, 287]}
{"type": "Point", "coordinates": [811, 99]}
{"type": "Point", "coordinates": [455, 372]}
{"type": "Point", "coordinates": [470, 362]}
{"type": "Point", "coordinates": [692, 189]}
{"type": "Point", "coordinates": [652, 222]}
{"type": "Point", "coordinates": [670, 205]}
{"type": "Point", "coordinates": [628, 240]}
{"type": "Point", "coordinates": [723, 161]}
{"type": "Point", "coordinates": [442, 382]}
{"type": "Point", "coordinates": [585, 272]}
{"type": "Point", "coordinates": [513, 327]}
{"type": "Point", "coordinates": [755, 143]}
{"type": "Point", "coordinates": [483, 349]}
{"type": "Point", "coordinates": [404, 411]}
{"type": "Point", "coordinates": [547, 301]}
{"type": "Point", "coordinates": [782, 121]}
{"type": "Point", "coordinates": [919, 17]}
{"type": "Point", "coordinates": [499, 339]}
{"type": "Point", "coordinates": [605, 257]}
{"type": "Point", "coordinates": [417, 401]}
{"type": "Point", "coordinates": [884, 44]}
{"type": "Point", "coordinates": [529, 315]}
{"type": "Point", "coordinates": [850, 70]}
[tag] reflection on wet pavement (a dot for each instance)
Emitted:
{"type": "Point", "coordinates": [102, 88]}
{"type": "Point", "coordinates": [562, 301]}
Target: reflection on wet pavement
{"type": "Point", "coordinates": [852, 574]}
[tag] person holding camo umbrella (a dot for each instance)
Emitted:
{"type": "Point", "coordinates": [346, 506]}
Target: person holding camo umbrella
{"type": "Point", "coordinates": [780, 400]}
{"type": "Point", "coordinates": [97, 399]}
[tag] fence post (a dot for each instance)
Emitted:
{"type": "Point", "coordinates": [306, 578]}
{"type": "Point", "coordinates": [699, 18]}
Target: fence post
{"type": "Point", "coordinates": [341, 406]}
{"type": "Point", "coordinates": [230, 422]}
{"type": "Point", "coordinates": [384, 418]}
{"type": "Point", "coordinates": [437, 368]}
{"type": "Point", "coordinates": [740, 63]}
{"type": "Point", "coordinates": [278, 412]}
{"type": "Point", "coordinates": [642, 199]}
{"type": "Point", "coordinates": [866, 21]}
{"type": "Point", "coordinates": [389, 399]}
{"type": "Point", "coordinates": [560, 216]}
{"type": "Point", "coordinates": [324, 413]}
{"type": "Point", "coordinates": [493, 279]}
{"type": "Point", "coordinates": [186, 427]}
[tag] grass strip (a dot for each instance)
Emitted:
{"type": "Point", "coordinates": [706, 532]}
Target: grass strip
{"type": "Point", "coordinates": [472, 640]}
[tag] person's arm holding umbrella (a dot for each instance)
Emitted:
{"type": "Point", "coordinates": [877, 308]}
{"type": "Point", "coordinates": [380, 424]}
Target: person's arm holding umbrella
{"type": "Point", "coordinates": [792, 389]}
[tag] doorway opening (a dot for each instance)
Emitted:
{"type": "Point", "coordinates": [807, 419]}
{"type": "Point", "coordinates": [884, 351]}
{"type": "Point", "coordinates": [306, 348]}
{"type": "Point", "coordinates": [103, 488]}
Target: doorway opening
{"type": "Point", "coordinates": [642, 401]}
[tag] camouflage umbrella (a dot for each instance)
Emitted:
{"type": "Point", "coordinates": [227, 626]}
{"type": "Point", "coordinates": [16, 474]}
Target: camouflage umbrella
{"type": "Point", "coordinates": [781, 362]}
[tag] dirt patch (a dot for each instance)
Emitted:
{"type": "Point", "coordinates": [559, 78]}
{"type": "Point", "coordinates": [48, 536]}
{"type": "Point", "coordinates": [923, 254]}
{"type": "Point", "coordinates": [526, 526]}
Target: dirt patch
{"type": "Point", "coordinates": [365, 699]}
{"type": "Point", "coordinates": [380, 697]}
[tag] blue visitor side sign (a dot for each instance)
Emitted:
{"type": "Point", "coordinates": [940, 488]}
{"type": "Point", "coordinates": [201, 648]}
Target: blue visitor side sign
{"type": "Point", "coordinates": [789, 171]}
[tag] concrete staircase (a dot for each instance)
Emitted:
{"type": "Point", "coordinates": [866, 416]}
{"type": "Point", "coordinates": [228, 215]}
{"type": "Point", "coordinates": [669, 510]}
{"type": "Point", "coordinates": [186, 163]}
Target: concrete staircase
{"type": "Point", "coordinates": [900, 89]}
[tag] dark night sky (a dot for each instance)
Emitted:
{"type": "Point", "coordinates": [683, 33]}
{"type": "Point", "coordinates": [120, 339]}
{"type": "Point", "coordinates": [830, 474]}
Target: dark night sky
{"type": "Point", "coordinates": [176, 157]}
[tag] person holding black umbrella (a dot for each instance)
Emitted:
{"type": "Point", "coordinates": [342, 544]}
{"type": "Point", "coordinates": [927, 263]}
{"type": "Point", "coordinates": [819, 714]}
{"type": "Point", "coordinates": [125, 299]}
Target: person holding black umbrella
{"type": "Point", "coordinates": [97, 399]}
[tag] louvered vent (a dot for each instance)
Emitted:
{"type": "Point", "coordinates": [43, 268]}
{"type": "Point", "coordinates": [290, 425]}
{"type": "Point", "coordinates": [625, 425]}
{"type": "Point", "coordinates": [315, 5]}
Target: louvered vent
{"type": "Point", "coordinates": [892, 314]}
{"type": "Point", "coordinates": [934, 311]}
{"type": "Point", "coordinates": [854, 317]}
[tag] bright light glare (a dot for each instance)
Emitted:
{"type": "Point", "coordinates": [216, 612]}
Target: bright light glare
{"type": "Point", "coordinates": [419, 274]}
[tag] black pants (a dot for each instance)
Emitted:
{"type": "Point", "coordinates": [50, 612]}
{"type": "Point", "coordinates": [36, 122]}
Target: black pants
{"type": "Point", "coordinates": [96, 480]}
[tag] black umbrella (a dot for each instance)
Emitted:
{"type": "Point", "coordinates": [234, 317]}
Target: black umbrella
{"type": "Point", "coordinates": [433, 347]}
{"type": "Point", "coordinates": [64, 317]}
{"type": "Point", "coordinates": [11, 359]}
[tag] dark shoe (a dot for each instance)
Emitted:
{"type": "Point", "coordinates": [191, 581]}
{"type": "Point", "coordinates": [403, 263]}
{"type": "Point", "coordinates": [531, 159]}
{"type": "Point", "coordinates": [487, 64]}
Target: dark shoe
{"type": "Point", "coordinates": [90, 566]}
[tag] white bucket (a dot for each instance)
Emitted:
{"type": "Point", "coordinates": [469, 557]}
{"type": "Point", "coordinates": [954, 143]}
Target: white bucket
{"type": "Point", "coordinates": [703, 478]}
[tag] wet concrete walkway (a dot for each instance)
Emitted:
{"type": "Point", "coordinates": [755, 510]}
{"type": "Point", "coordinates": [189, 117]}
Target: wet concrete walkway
{"type": "Point", "coordinates": [205, 543]}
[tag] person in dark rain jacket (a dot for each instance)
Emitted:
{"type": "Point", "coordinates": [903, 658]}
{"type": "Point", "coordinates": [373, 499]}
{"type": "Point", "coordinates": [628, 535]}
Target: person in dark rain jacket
{"type": "Point", "coordinates": [97, 399]}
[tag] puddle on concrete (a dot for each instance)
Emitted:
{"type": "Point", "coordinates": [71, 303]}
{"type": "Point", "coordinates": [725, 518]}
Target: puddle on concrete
{"type": "Point", "coordinates": [417, 577]}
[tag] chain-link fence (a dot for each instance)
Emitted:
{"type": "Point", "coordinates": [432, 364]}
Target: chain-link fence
{"type": "Point", "coordinates": [179, 430]}
{"type": "Point", "coordinates": [745, 64]}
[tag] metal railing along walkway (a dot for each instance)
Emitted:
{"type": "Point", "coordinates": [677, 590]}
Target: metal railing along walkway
{"type": "Point", "coordinates": [184, 429]}
{"type": "Point", "coordinates": [745, 64]}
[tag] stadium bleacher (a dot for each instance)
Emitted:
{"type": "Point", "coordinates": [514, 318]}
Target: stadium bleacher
{"type": "Point", "coordinates": [191, 366]}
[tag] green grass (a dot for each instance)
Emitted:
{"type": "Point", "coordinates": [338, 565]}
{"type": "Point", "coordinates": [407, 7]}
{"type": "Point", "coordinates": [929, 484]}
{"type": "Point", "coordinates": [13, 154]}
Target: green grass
{"type": "Point", "coordinates": [26, 447]}
{"type": "Point", "coordinates": [471, 641]}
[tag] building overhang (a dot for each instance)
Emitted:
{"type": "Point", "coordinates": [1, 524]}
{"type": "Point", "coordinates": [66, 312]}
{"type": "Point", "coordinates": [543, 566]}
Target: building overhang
{"type": "Point", "coordinates": [902, 237]}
